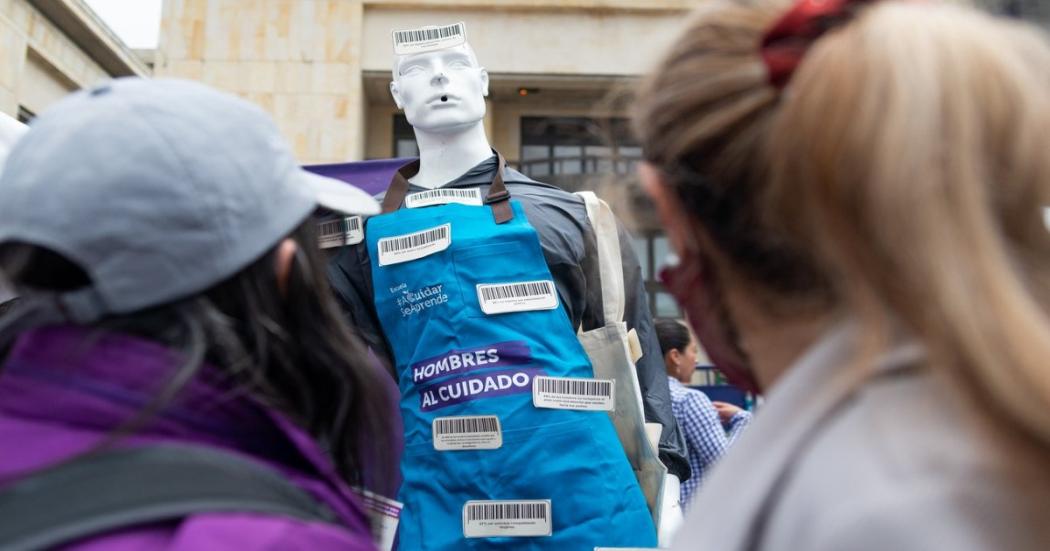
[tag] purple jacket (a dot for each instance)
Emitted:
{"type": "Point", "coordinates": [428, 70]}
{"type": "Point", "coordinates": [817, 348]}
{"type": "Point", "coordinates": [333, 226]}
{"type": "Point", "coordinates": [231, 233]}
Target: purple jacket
{"type": "Point", "coordinates": [59, 397]}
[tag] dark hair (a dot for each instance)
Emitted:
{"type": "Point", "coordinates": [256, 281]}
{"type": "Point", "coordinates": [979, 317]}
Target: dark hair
{"type": "Point", "coordinates": [672, 334]}
{"type": "Point", "coordinates": [293, 353]}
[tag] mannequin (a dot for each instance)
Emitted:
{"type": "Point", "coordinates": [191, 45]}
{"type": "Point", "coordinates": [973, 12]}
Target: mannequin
{"type": "Point", "coordinates": [452, 359]}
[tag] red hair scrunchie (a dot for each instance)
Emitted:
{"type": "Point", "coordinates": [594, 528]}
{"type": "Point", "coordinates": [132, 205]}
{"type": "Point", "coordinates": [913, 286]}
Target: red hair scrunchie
{"type": "Point", "coordinates": [785, 44]}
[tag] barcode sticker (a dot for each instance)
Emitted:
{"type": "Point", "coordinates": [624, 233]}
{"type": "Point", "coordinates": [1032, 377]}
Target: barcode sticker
{"type": "Point", "coordinates": [444, 196]}
{"type": "Point", "coordinates": [525, 296]}
{"type": "Point", "coordinates": [575, 394]}
{"type": "Point", "coordinates": [343, 231]}
{"type": "Point", "coordinates": [413, 246]}
{"type": "Point", "coordinates": [488, 519]}
{"type": "Point", "coordinates": [429, 39]}
{"type": "Point", "coordinates": [383, 514]}
{"type": "Point", "coordinates": [467, 433]}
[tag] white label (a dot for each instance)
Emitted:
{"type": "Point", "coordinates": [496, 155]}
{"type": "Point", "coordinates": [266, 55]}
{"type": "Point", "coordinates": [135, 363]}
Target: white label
{"type": "Point", "coordinates": [413, 246]}
{"type": "Point", "coordinates": [525, 296]}
{"type": "Point", "coordinates": [429, 39]}
{"type": "Point", "coordinates": [467, 433]}
{"type": "Point", "coordinates": [576, 394]}
{"type": "Point", "coordinates": [488, 519]}
{"type": "Point", "coordinates": [383, 516]}
{"type": "Point", "coordinates": [344, 231]}
{"type": "Point", "coordinates": [444, 196]}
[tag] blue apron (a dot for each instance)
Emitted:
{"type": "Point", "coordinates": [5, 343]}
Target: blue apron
{"type": "Point", "coordinates": [455, 360]}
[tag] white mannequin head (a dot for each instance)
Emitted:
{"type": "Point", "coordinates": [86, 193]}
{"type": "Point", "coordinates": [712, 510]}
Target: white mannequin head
{"type": "Point", "coordinates": [441, 91]}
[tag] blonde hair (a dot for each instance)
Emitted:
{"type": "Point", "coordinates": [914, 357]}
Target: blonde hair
{"type": "Point", "coordinates": [904, 164]}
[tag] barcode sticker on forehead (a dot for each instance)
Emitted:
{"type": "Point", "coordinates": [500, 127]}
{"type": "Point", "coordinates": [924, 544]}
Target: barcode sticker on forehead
{"type": "Point", "coordinates": [444, 196]}
{"type": "Point", "coordinates": [467, 433]}
{"type": "Point", "coordinates": [488, 519]}
{"type": "Point", "coordinates": [429, 39]}
{"type": "Point", "coordinates": [344, 231]}
{"type": "Point", "coordinates": [525, 296]}
{"type": "Point", "coordinates": [574, 394]}
{"type": "Point", "coordinates": [413, 246]}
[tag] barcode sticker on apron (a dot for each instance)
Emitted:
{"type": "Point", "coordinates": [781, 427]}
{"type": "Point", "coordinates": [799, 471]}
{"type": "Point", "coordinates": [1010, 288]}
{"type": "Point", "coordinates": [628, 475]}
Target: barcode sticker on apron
{"type": "Point", "coordinates": [525, 296]}
{"type": "Point", "coordinates": [487, 519]}
{"type": "Point", "coordinates": [413, 246]}
{"type": "Point", "coordinates": [445, 196]}
{"type": "Point", "coordinates": [383, 514]}
{"type": "Point", "coordinates": [575, 394]}
{"type": "Point", "coordinates": [467, 433]}
{"type": "Point", "coordinates": [429, 39]}
{"type": "Point", "coordinates": [344, 231]}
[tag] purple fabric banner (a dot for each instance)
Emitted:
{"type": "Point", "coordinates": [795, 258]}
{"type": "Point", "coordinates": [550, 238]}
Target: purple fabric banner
{"type": "Point", "coordinates": [455, 362]}
{"type": "Point", "coordinates": [483, 385]}
{"type": "Point", "coordinates": [371, 176]}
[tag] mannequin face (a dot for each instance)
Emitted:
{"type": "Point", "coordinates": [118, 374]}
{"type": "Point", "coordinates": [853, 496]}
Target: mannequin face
{"type": "Point", "coordinates": [440, 91]}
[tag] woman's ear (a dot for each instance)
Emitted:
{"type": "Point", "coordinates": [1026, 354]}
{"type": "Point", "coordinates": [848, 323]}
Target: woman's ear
{"type": "Point", "coordinates": [674, 357]}
{"type": "Point", "coordinates": [284, 259]}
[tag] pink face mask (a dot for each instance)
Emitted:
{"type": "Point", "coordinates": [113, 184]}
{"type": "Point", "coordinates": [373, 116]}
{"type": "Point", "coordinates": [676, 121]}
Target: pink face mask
{"type": "Point", "coordinates": [691, 286]}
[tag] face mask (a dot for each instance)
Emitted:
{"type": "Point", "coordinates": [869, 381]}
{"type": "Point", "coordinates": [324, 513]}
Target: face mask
{"type": "Point", "coordinates": [691, 286]}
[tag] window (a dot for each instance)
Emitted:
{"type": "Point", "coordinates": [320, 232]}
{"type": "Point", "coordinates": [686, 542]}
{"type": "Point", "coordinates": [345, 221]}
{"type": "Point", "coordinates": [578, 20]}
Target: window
{"type": "Point", "coordinates": [562, 150]}
{"type": "Point", "coordinates": [404, 138]}
{"type": "Point", "coordinates": [653, 251]}
{"type": "Point", "coordinates": [553, 146]}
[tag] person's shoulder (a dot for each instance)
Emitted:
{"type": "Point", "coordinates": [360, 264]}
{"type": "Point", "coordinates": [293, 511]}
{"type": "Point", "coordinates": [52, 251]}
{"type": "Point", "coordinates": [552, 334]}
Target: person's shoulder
{"type": "Point", "coordinates": [694, 397]}
{"type": "Point", "coordinates": [539, 192]}
{"type": "Point", "coordinates": [903, 446]}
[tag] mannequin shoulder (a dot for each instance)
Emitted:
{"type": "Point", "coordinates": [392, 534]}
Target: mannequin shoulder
{"type": "Point", "coordinates": [549, 202]}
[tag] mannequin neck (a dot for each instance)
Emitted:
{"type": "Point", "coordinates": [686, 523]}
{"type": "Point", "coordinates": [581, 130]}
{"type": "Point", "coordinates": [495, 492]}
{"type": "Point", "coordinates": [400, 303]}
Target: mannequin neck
{"type": "Point", "coordinates": [445, 156]}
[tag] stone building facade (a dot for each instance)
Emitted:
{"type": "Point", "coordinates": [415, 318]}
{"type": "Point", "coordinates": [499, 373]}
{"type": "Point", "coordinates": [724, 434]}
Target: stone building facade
{"type": "Point", "coordinates": [49, 48]}
{"type": "Point", "coordinates": [322, 67]}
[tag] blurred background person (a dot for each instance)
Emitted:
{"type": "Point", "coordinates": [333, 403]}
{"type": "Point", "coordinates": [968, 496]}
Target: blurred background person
{"type": "Point", "coordinates": [855, 190]}
{"type": "Point", "coordinates": [709, 427]}
{"type": "Point", "coordinates": [159, 234]}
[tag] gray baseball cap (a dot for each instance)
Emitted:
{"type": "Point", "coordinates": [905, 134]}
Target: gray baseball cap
{"type": "Point", "coordinates": [157, 189]}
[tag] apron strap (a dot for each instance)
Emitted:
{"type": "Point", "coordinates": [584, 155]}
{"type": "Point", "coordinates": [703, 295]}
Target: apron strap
{"type": "Point", "coordinates": [498, 197]}
{"type": "Point", "coordinates": [395, 194]}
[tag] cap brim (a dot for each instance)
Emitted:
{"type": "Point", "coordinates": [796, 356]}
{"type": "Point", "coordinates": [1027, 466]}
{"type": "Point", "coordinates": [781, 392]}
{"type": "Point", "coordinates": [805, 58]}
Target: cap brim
{"type": "Point", "coordinates": [340, 196]}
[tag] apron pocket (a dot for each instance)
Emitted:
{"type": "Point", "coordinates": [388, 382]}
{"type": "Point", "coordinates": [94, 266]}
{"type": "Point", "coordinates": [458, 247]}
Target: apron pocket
{"type": "Point", "coordinates": [495, 264]}
{"type": "Point", "coordinates": [576, 465]}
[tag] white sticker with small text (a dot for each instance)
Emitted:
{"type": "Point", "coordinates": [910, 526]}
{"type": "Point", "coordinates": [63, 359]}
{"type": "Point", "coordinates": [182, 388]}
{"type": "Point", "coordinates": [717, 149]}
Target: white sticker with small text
{"type": "Point", "coordinates": [383, 514]}
{"type": "Point", "coordinates": [413, 246]}
{"type": "Point", "coordinates": [574, 394]}
{"type": "Point", "coordinates": [444, 196]}
{"type": "Point", "coordinates": [482, 432]}
{"type": "Point", "coordinates": [525, 296]}
{"type": "Point", "coordinates": [492, 519]}
{"type": "Point", "coordinates": [429, 39]}
{"type": "Point", "coordinates": [348, 230]}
